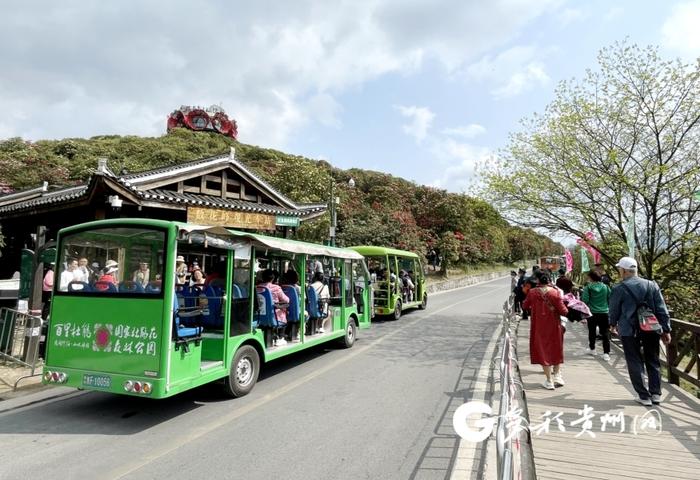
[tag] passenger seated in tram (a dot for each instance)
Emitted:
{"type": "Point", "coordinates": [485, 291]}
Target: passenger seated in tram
{"type": "Point", "coordinates": [291, 279]}
{"type": "Point", "coordinates": [217, 278]}
{"type": "Point", "coordinates": [68, 275]}
{"type": "Point", "coordinates": [278, 298]}
{"type": "Point", "coordinates": [197, 277]}
{"type": "Point", "coordinates": [408, 287]}
{"type": "Point", "coordinates": [110, 272]}
{"type": "Point", "coordinates": [180, 270]}
{"type": "Point", "coordinates": [142, 275]}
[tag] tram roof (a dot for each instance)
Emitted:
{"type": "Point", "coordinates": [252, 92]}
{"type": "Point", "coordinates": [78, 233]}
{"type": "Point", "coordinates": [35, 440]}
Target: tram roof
{"type": "Point", "coordinates": [373, 251]}
{"type": "Point", "coordinates": [274, 243]}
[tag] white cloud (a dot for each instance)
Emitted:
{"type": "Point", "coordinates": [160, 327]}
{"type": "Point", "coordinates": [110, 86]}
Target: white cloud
{"type": "Point", "coordinates": [466, 131]}
{"type": "Point", "coordinates": [680, 31]}
{"type": "Point", "coordinates": [461, 161]}
{"type": "Point", "coordinates": [421, 121]}
{"type": "Point", "coordinates": [568, 16]}
{"type": "Point", "coordinates": [613, 13]}
{"type": "Point", "coordinates": [86, 68]}
{"type": "Point", "coordinates": [513, 72]}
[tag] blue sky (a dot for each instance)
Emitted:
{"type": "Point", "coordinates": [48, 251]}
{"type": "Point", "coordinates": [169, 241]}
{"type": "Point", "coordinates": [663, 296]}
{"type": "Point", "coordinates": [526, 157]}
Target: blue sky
{"type": "Point", "coordinates": [420, 89]}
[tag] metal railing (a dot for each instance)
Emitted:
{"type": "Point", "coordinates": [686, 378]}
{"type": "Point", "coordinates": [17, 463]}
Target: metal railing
{"type": "Point", "coordinates": [513, 441]}
{"type": "Point", "coordinates": [20, 334]}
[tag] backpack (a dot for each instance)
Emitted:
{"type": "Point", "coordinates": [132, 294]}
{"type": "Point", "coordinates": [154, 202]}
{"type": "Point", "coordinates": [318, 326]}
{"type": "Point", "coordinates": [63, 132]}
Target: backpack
{"type": "Point", "coordinates": [645, 314]}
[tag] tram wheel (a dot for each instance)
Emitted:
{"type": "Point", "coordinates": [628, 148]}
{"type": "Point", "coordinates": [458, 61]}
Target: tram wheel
{"type": "Point", "coordinates": [245, 368]}
{"type": "Point", "coordinates": [348, 339]}
{"type": "Point", "coordinates": [424, 303]}
{"type": "Point", "coordinates": [397, 310]}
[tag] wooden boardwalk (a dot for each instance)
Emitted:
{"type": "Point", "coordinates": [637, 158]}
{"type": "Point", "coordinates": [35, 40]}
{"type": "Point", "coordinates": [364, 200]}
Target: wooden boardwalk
{"type": "Point", "coordinates": [674, 453]}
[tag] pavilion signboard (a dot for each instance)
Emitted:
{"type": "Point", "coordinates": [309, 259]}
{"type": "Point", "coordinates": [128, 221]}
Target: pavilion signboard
{"type": "Point", "coordinates": [287, 221]}
{"type": "Point", "coordinates": [231, 218]}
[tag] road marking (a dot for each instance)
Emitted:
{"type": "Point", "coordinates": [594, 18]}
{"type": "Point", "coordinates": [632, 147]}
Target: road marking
{"type": "Point", "coordinates": [466, 451]}
{"type": "Point", "coordinates": [200, 431]}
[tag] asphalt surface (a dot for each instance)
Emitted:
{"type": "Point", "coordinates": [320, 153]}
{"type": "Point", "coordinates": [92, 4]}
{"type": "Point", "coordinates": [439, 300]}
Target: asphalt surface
{"type": "Point", "coordinates": [380, 410]}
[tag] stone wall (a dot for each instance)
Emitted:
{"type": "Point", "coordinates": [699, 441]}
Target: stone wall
{"type": "Point", "coordinates": [451, 283]}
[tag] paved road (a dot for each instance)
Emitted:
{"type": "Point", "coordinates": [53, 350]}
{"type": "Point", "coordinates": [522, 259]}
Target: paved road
{"type": "Point", "coordinates": [380, 410]}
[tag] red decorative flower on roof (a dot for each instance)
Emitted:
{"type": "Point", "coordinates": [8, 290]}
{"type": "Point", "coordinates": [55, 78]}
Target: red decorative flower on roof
{"type": "Point", "coordinates": [212, 119]}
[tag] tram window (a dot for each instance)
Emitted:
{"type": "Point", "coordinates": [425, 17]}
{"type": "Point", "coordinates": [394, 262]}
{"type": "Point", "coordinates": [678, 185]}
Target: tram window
{"type": "Point", "coordinates": [240, 300]}
{"type": "Point", "coordinates": [348, 283]}
{"type": "Point", "coordinates": [335, 287]}
{"type": "Point", "coordinates": [359, 276]}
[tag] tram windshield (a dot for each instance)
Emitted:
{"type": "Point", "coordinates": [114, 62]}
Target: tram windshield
{"type": "Point", "coordinates": [105, 261]}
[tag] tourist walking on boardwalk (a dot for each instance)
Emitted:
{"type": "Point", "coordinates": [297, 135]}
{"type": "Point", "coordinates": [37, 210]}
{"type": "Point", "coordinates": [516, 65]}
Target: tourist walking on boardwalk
{"type": "Point", "coordinates": [518, 290]}
{"type": "Point", "coordinates": [641, 347]}
{"type": "Point", "coordinates": [546, 332]}
{"type": "Point", "coordinates": [596, 295]}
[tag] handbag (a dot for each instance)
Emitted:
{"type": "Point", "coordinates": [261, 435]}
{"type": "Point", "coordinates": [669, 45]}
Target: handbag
{"type": "Point", "coordinates": [645, 315]}
{"type": "Point", "coordinates": [562, 319]}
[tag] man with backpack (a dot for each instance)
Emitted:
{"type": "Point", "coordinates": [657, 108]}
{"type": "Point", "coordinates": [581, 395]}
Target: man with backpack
{"type": "Point", "coordinates": [638, 312]}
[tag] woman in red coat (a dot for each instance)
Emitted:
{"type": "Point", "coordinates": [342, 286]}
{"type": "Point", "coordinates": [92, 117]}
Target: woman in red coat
{"type": "Point", "coordinates": [546, 333]}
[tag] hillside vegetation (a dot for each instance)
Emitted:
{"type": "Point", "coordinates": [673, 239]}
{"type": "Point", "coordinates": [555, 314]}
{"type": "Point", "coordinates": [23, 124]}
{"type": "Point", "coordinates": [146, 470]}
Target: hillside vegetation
{"type": "Point", "coordinates": [380, 210]}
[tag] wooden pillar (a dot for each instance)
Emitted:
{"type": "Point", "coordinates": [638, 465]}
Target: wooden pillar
{"type": "Point", "coordinates": [671, 357]}
{"type": "Point", "coordinates": [38, 272]}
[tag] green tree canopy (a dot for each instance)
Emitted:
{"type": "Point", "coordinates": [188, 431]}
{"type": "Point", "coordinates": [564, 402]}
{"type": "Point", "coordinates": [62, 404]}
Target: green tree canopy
{"type": "Point", "coordinates": [622, 141]}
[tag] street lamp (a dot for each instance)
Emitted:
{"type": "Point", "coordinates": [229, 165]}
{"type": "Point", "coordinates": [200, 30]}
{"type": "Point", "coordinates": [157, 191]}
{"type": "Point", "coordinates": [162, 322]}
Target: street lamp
{"type": "Point", "coordinates": [333, 207]}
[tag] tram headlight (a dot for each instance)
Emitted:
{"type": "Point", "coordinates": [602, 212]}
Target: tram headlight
{"type": "Point", "coordinates": [62, 377]}
{"type": "Point", "coordinates": [137, 387]}
{"type": "Point", "coordinates": [128, 385]}
{"type": "Point", "coordinates": [47, 376]}
{"type": "Point", "coordinates": [147, 387]}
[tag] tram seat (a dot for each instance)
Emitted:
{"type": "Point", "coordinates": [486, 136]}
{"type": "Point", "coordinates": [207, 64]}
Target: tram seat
{"type": "Point", "coordinates": [294, 310]}
{"type": "Point", "coordinates": [127, 286]}
{"type": "Point", "coordinates": [182, 331]}
{"type": "Point", "coordinates": [243, 289]}
{"type": "Point", "coordinates": [265, 314]}
{"type": "Point", "coordinates": [192, 294]}
{"type": "Point", "coordinates": [104, 286]}
{"type": "Point", "coordinates": [237, 291]}
{"type": "Point", "coordinates": [213, 318]}
{"type": "Point", "coordinates": [318, 311]}
{"type": "Point", "coordinates": [154, 287]}
{"type": "Point", "coordinates": [76, 286]}
{"type": "Point", "coordinates": [314, 306]}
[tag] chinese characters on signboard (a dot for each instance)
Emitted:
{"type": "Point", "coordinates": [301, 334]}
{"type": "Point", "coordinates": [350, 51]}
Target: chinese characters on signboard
{"type": "Point", "coordinates": [98, 337]}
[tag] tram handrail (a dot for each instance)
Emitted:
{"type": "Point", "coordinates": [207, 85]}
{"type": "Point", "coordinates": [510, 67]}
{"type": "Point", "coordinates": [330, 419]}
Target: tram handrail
{"type": "Point", "coordinates": [513, 441]}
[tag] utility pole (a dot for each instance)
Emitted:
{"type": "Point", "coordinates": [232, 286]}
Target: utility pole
{"type": "Point", "coordinates": [332, 206]}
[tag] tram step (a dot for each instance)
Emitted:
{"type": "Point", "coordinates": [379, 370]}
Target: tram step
{"type": "Point", "coordinates": [206, 365]}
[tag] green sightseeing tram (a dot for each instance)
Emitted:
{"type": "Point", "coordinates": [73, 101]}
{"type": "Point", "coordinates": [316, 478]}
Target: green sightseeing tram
{"type": "Point", "coordinates": [398, 279]}
{"type": "Point", "coordinates": [153, 308]}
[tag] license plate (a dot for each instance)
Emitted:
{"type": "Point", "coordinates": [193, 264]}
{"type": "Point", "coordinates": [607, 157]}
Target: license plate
{"type": "Point", "coordinates": [99, 381]}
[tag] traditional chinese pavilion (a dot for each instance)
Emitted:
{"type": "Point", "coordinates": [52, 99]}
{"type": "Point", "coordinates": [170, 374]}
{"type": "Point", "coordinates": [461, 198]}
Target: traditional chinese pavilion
{"type": "Point", "coordinates": [209, 191]}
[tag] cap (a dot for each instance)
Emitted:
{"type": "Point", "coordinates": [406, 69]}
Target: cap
{"type": "Point", "coordinates": [627, 263]}
{"type": "Point", "coordinates": [180, 258]}
{"type": "Point", "coordinates": [111, 264]}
